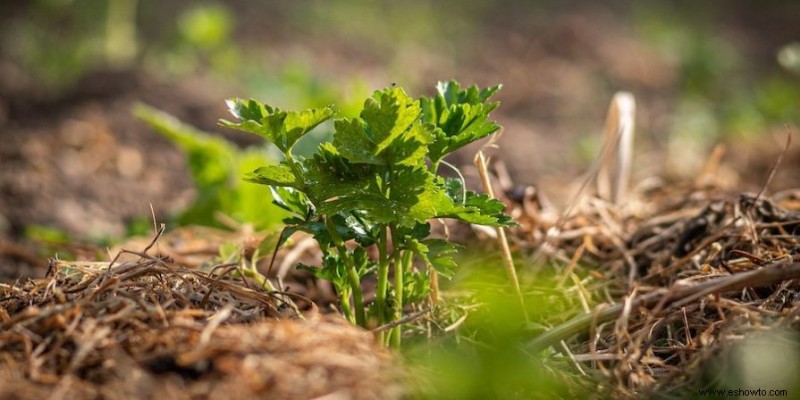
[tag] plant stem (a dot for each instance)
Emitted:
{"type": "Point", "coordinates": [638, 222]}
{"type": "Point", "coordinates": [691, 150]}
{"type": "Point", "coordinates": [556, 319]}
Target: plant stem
{"type": "Point", "coordinates": [383, 279]}
{"type": "Point", "coordinates": [435, 166]}
{"type": "Point", "coordinates": [258, 277]}
{"type": "Point", "coordinates": [344, 302]}
{"type": "Point", "coordinates": [402, 263]}
{"type": "Point", "coordinates": [352, 274]}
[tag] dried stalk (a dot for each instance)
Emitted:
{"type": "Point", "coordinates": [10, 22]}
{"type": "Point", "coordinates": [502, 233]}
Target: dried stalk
{"type": "Point", "coordinates": [677, 296]}
{"type": "Point", "coordinates": [612, 184]}
{"type": "Point", "coordinates": [508, 261]}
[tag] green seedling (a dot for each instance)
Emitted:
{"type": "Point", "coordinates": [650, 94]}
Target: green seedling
{"type": "Point", "coordinates": [376, 185]}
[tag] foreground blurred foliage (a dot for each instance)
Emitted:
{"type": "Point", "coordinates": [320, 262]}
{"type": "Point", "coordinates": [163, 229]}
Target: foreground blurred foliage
{"type": "Point", "coordinates": [483, 358]}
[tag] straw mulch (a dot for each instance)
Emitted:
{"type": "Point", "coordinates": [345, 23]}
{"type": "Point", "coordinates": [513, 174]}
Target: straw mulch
{"type": "Point", "coordinates": [664, 280]}
{"type": "Point", "coordinates": [148, 328]}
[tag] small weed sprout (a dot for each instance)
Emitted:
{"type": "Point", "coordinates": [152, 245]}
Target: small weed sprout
{"type": "Point", "coordinates": [376, 184]}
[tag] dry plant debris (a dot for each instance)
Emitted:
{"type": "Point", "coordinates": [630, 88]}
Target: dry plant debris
{"type": "Point", "coordinates": [149, 328]}
{"type": "Point", "coordinates": [664, 278]}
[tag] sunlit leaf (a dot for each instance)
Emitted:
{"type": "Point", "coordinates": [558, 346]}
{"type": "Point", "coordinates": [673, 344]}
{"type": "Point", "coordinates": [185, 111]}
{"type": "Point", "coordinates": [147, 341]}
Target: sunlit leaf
{"type": "Point", "coordinates": [281, 128]}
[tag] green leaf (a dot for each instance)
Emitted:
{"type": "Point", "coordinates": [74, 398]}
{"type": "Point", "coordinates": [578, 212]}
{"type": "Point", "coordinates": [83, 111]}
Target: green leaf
{"type": "Point", "coordinates": [362, 229]}
{"type": "Point", "coordinates": [419, 231]}
{"type": "Point", "coordinates": [273, 175]}
{"type": "Point", "coordinates": [282, 128]}
{"type": "Point", "coordinates": [350, 139]}
{"type": "Point", "coordinates": [291, 200]}
{"type": "Point", "coordinates": [247, 110]}
{"type": "Point", "coordinates": [436, 253]}
{"type": "Point", "coordinates": [441, 255]}
{"type": "Point", "coordinates": [387, 133]}
{"type": "Point", "coordinates": [461, 116]}
{"type": "Point", "coordinates": [480, 209]}
{"type": "Point", "coordinates": [415, 197]}
{"type": "Point", "coordinates": [411, 148]}
{"type": "Point", "coordinates": [318, 229]}
{"type": "Point", "coordinates": [431, 198]}
{"type": "Point", "coordinates": [455, 190]}
{"type": "Point", "coordinates": [333, 269]}
{"type": "Point", "coordinates": [328, 174]}
{"type": "Point", "coordinates": [388, 114]}
{"type": "Point", "coordinates": [452, 93]}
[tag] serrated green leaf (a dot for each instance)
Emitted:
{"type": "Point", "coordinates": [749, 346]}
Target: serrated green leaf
{"type": "Point", "coordinates": [364, 232]}
{"type": "Point", "coordinates": [291, 200]}
{"type": "Point", "coordinates": [459, 115]}
{"type": "Point", "coordinates": [480, 209]}
{"type": "Point", "coordinates": [440, 256]}
{"type": "Point", "coordinates": [436, 253]}
{"type": "Point", "coordinates": [313, 227]}
{"type": "Point", "coordinates": [281, 128]}
{"type": "Point", "coordinates": [329, 174]}
{"type": "Point", "coordinates": [374, 205]}
{"type": "Point", "coordinates": [452, 93]}
{"type": "Point", "coordinates": [415, 197]}
{"type": "Point", "coordinates": [350, 140]}
{"type": "Point", "coordinates": [388, 114]}
{"type": "Point", "coordinates": [486, 204]}
{"type": "Point", "coordinates": [343, 225]}
{"type": "Point", "coordinates": [419, 231]}
{"type": "Point", "coordinates": [387, 133]}
{"type": "Point", "coordinates": [273, 175]}
{"type": "Point", "coordinates": [248, 109]}
{"type": "Point", "coordinates": [333, 269]}
{"type": "Point", "coordinates": [411, 147]}
{"type": "Point", "coordinates": [431, 199]}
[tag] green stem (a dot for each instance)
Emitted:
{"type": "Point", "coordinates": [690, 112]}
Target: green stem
{"type": "Point", "coordinates": [400, 267]}
{"type": "Point", "coordinates": [352, 274]}
{"type": "Point", "coordinates": [435, 166]}
{"type": "Point", "coordinates": [344, 302]}
{"type": "Point", "coordinates": [258, 277]}
{"type": "Point", "coordinates": [383, 278]}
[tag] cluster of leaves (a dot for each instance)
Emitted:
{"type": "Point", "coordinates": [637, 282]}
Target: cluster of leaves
{"type": "Point", "coordinates": [376, 184]}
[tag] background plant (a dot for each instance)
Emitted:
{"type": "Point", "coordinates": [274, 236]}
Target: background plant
{"type": "Point", "coordinates": [216, 166]}
{"type": "Point", "coordinates": [376, 184]}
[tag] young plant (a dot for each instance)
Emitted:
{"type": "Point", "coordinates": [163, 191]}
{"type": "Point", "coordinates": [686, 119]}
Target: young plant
{"type": "Point", "coordinates": [375, 184]}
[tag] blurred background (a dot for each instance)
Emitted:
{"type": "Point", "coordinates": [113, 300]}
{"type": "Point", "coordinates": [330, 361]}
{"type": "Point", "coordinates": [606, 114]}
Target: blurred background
{"type": "Point", "coordinates": [75, 161]}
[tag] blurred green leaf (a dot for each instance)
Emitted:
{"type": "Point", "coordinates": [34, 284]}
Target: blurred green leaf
{"type": "Point", "coordinates": [216, 167]}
